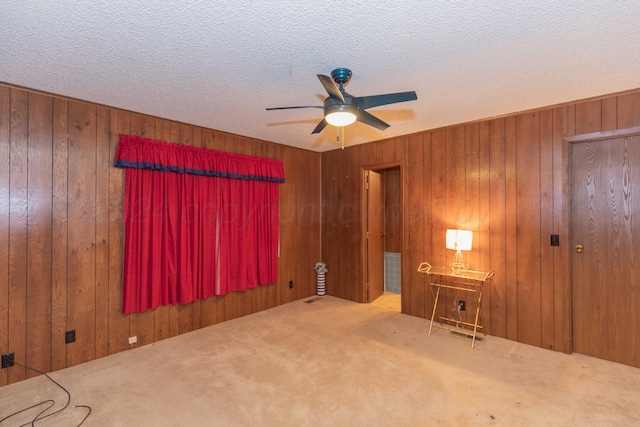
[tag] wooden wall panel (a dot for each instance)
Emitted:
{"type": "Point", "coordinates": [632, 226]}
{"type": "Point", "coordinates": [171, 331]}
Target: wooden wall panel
{"type": "Point", "coordinates": [628, 111]}
{"type": "Point", "coordinates": [120, 122]}
{"type": "Point", "coordinates": [528, 227]}
{"type": "Point", "coordinates": [547, 320]}
{"type": "Point", "coordinates": [497, 229]}
{"type": "Point", "coordinates": [471, 210]}
{"type": "Point", "coordinates": [62, 233]}
{"type": "Point", "coordinates": [5, 172]}
{"type": "Point", "coordinates": [609, 113]}
{"type": "Point", "coordinates": [354, 181]}
{"type": "Point", "coordinates": [513, 204]}
{"type": "Point", "coordinates": [483, 222]}
{"type": "Point", "coordinates": [413, 293]}
{"type": "Point", "coordinates": [287, 218]}
{"type": "Point", "coordinates": [81, 249]}
{"type": "Point", "coordinates": [392, 209]}
{"type": "Point", "coordinates": [511, 230]}
{"type": "Point", "coordinates": [59, 230]}
{"type": "Point", "coordinates": [18, 211]}
{"type": "Point", "coordinates": [589, 116]}
{"type": "Point", "coordinates": [103, 164]}
{"type": "Point", "coordinates": [439, 255]}
{"type": "Point", "coordinates": [39, 238]}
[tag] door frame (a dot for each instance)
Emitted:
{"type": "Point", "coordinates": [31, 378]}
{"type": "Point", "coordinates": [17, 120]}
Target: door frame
{"type": "Point", "coordinates": [566, 235]}
{"type": "Point", "coordinates": [380, 167]}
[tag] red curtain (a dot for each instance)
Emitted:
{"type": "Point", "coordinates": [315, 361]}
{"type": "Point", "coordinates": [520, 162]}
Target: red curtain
{"type": "Point", "coordinates": [197, 222]}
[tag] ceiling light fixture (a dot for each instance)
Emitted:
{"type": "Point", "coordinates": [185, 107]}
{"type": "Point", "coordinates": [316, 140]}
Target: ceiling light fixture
{"type": "Point", "coordinates": [340, 118]}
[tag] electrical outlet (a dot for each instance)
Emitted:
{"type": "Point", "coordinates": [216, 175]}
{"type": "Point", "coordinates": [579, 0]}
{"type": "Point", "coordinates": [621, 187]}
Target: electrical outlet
{"type": "Point", "coordinates": [133, 340]}
{"type": "Point", "coordinates": [7, 360]}
{"type": "Point", "coordinates": [462, 305]}
{"type": "Point", "coordinates": [70, 336]}
{"type": "Point", "coordinates": [290, 284]}
{"type": "Point", "coordinates": [555, 240]}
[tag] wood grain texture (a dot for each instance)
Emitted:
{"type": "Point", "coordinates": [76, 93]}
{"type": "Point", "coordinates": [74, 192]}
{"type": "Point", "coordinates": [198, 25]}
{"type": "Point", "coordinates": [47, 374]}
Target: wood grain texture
{"type": "Point", "coordinates": [628, 110]}
{"type": "Point", "coordinates": [471, 216]}
{"type": "Point", "coordinates": [392, 209]}
{"type": "Point", "coordinates": [483, 223]}
{"type": "Point", "coordinates": [561, 284]}
{"type": "Point", "coordinates": [547, 214]}
{"type": "Point", "coordinates": [528, 228]}
{"type": "Point", "coordinates": [605, 222]}
{"type": "Point", "coordinates": [497, 228]}
{"type": "Point", "coordinates": [415, 286]}
{"type": "Point", "coordinates": [439, 253]}
{"type": "Point", "coordinates": [81, 250]}
{"type": "Point", "coordinates": [85, 194]}
{"type": "Point", "coordinates": [5, 173]}
{"type": "Point", "coordinates": [103, 160]}
{"type": "Point", "coordinates": [39, 238]}
{"type": "Point", "coordinates": [589, 116]}
{"type": "Point", "coordinates": [18, 223]}
{"type": "Point", "coordinates": [511, 230]}
{"type": "Point", "coordinates": [120, 123]}
{"type": "Point", "coordinates": [59, 230]}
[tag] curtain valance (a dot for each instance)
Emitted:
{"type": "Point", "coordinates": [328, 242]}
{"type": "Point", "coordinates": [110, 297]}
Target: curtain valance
{"type": "Point", "coordinates": [145, 153]}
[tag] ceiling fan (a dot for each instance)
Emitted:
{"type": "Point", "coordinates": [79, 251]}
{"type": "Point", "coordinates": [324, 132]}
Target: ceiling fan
{"type": "Point", "coordinates": [342, 109]}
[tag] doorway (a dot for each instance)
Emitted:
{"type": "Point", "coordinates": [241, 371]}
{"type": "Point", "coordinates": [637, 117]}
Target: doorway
{"type": "Point", "coordinates": [382, 234]}
{"type": "Point", "coordinates": [605, 248]}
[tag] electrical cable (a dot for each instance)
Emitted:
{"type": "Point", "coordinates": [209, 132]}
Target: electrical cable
{"type": "Point", "coordinates": [51, 402]}
{"type": "Point", "coordinates": [456, 308]}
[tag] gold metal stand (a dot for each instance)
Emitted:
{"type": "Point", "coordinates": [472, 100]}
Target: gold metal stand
{"type": "Point", "coordinates": [469, 281]}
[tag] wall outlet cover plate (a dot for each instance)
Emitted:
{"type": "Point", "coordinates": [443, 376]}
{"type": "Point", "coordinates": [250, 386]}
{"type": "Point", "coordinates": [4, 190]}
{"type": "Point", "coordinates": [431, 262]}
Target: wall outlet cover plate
{"type": "Point", "coordinates": [7, 360]}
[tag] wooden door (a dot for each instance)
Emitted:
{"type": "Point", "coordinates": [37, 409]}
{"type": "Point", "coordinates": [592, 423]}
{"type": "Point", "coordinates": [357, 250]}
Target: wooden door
{"type": "Point", "coordinates": [374, 276]}
{"type": "Point", "coordinates": [605, 261]}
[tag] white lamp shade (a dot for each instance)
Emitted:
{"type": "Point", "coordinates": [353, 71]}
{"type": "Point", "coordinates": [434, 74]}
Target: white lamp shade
{"type": "Point", "coordinates": [340, 118]}
{"type": "Point", "coordinates": [459, 240]}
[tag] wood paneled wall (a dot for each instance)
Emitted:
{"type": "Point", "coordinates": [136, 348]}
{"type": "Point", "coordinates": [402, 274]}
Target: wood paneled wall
{"type": "Point", "coordinates": [393, 209]}
{"type": "Point", "coordinates": [61, 232]}
{"type": "Point", "coordinates": [505, 179]}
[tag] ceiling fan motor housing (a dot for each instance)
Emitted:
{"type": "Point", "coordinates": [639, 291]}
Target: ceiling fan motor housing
{"type": "Point", "coordinates": [332, 105]}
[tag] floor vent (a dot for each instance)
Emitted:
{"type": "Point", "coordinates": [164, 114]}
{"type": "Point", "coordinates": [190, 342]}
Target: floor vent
{"type": "Point", "coordinates": [309, 301]}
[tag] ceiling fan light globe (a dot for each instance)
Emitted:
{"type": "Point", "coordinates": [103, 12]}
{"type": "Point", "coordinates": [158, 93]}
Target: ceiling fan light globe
{"type": "Point", "coordinates": [340, 118]}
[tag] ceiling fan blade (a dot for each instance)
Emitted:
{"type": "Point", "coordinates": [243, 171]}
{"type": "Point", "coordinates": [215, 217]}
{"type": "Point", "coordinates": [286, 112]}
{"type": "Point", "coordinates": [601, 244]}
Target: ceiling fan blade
{"type": "Point", "coordinates": [289, 108]}
{"type": "Point", "coordinates": [365, 102]}
{"type": "Point", "coordinates": [320, 126]}
{"type": "Point", "coordinates": [330, 87]}
{"type": "Point", "coordinates": [371, 120]}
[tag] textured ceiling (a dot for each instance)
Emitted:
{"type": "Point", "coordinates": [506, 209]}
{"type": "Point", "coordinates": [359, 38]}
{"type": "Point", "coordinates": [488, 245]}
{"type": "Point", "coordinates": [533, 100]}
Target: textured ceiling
{"type": "Point", "coordinates": [218, 64]}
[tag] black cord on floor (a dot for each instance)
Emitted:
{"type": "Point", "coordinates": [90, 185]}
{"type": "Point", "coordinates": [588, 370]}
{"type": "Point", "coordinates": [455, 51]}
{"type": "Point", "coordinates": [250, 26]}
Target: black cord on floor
{"type": "Point", "coordinates": [51, 402]}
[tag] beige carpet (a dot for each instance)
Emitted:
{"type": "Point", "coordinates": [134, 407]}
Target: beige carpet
{"type": "Point", "coordinates": [336, 363]}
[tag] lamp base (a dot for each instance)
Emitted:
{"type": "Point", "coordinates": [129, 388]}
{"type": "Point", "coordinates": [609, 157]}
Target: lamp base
{"type": "Point", "coordinates": [457, 264]}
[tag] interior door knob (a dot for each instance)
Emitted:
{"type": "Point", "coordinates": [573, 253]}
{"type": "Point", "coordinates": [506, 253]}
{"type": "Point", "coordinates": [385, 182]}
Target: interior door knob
{"type": "Point", "coordinates": [579, 249]}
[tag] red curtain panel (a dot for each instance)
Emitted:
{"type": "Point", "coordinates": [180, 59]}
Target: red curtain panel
{"type": "Point", "coordinates": [197, 222]}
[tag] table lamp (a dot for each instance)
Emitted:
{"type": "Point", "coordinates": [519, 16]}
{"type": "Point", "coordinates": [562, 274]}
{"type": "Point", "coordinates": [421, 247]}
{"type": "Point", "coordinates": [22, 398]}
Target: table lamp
{"type": "Point", "coordinates": [459, 240]}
